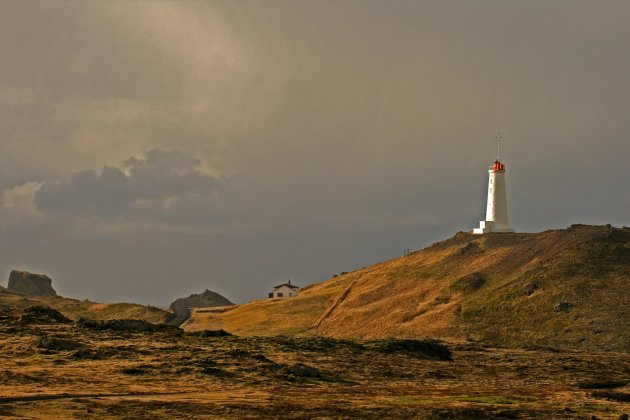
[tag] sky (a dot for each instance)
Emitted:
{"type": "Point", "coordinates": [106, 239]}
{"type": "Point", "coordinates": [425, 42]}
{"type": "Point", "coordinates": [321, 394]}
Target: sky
{"type": "Point", "coordinates": [153, 149]}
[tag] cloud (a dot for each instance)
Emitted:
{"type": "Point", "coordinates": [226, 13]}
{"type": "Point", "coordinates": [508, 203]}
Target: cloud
{"type": "Point", "coordinates": [17, 206]}
{"type": "Point", "coordinates": [146, 187]}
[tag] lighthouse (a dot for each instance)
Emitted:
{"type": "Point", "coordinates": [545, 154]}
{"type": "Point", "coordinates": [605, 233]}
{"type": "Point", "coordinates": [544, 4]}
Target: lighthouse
{"type": "Point", "coordinates": [496, 209]}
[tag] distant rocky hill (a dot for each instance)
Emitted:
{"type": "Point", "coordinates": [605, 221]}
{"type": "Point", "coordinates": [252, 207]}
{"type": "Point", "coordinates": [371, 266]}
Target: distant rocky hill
{"type": "Point", "coordinates": [35, 290]}
{"type": "Point", "coordinates": [75, 309]}
{"type": "Point", "coordinates": [565, 288]}
{"type": "Point", "coordinates": [180, 307]}
{"type": "Point", "coordinates": [30, 284]}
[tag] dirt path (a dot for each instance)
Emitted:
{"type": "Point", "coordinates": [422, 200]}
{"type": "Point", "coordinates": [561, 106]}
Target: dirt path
{"type": "Point", "coordinates": [342, 296]}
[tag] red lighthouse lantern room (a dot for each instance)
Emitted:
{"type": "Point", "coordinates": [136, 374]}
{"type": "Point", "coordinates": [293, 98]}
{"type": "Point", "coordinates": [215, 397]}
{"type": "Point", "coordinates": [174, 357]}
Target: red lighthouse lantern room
{"type": "Point", "coordinates": [498, 166]}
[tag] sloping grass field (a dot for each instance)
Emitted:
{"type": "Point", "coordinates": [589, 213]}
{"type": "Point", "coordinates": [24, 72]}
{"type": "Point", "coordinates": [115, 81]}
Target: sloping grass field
{"type": "Point", "coordinates": [566, 288]}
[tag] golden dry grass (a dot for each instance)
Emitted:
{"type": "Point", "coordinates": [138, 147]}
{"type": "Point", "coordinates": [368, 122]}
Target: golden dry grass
{"type": "Point", "coordinates": [430, 293]}
{"type": "Point", "coordinates": [274, 316]}
{"type": "Point", "coordinates": [110, 375]}
{"type": "Point", "coordinates": [75, 309]}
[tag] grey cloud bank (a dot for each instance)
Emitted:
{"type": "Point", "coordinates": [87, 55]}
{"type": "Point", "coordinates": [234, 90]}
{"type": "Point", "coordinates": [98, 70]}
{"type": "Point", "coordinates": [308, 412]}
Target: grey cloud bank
{"type": "Point", "coordinates": [295, 138]}
{"type": "Point", "coordinates": [159, 180]}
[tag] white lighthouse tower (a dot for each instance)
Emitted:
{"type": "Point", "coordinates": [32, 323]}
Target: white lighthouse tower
{"type": "Point", "coordinates": [496, 210]}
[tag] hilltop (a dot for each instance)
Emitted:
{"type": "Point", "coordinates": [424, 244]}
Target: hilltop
{"type": "Point", "coordinates": [565, 288]}
{"type": "Point", "coordinates": [181, 306]}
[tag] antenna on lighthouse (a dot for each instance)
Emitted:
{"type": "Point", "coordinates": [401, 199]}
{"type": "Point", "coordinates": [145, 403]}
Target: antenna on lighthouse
{"type": "Point", "coordinates": [498, 137]}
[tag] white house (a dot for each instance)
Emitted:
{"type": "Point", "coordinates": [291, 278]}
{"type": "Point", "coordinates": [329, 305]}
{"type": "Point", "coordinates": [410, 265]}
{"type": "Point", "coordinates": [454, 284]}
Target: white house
{"type": "Point", "coordinates": [284, 291]}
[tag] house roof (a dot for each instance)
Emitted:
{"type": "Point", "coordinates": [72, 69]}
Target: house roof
{"type": "Point", "coordinates": [289, 285]}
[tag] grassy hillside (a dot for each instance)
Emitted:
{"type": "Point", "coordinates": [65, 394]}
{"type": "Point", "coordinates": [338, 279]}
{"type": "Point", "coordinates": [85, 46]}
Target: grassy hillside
{"type": "Point", "coordinates": [565, 288]}
{"type": "Point", "coordinates": [74, 309]}
{"type": "Point", "coordinates": [271, 316]}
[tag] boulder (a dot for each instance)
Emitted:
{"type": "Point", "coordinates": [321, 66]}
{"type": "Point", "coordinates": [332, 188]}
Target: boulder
{"type": "Point", "coordinates": [30, 284]}
{"type": "Point", "coordinates": [207, 299]}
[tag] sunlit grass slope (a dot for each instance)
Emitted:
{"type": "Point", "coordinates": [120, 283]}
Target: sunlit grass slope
{"type": "Point", "coordinates": [274, 316]}
{"type": "Point", "coordinates": [565, 287]}
{"type": "Point", "coordinates": [75, 309]}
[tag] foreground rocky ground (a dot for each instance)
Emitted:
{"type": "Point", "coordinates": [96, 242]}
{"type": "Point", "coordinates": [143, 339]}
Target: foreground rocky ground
{"type": "Point", "coordinates": [51, 367]}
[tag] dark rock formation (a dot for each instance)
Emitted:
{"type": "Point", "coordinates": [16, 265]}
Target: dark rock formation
{"type": "Point", "coordinates": [563, 307]}
{"type": "Point", "coordinates": [468, 283]}
{"type": "Point", "coordinates": [469, 248]}
{"type": "Point", "coordinates": [56, 344]}
{"type": "Point", "coordinates": [427, 349]}
{"type": "Point", "coordinates": [531, 287]}
{"type": "Point", "coordinates": [125, 325]}
{"type": "Point", "coordinates": [206, 299]}
{"type": "Point", "coordinates": [299, 372]}
{"type": "Point", "coordinates": [31, 284]}
{"type": "Point", "coordinates": [42, 315]}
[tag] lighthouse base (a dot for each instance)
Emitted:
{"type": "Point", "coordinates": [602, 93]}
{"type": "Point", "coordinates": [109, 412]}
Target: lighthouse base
{"type": "Point", "coordinates": [487, 226]}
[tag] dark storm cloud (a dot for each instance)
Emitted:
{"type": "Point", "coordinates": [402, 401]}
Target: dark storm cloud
{"type": "Point", "coordinates": [150, 181]}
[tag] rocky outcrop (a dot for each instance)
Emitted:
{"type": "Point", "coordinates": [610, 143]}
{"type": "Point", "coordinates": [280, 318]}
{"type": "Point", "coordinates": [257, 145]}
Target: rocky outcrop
{"type": "Point", "coordinates": [211, 333]}
{"type": "Point", "coordinates": [42, 315]}
{"type": "Point", "coordinates": [207, 299]}
{"type": "Point", "coordinates": [468, 283]}
{"type": "Point", "coordinates": [563, 307]}
{"type": "Point", "coordinates": [30, 284]}
{"type": "Point", "coordinates": [125, 325]}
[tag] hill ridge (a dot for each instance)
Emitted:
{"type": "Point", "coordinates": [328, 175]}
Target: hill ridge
{"type": "Point", "coordinates": [504, 289]}
{"type": "Point", "coordinates": [75, 308]}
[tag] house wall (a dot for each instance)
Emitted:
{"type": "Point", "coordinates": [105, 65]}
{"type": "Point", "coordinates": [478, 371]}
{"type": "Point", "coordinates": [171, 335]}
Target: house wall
{"type": "Point", "coordinates": [284, 292]}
